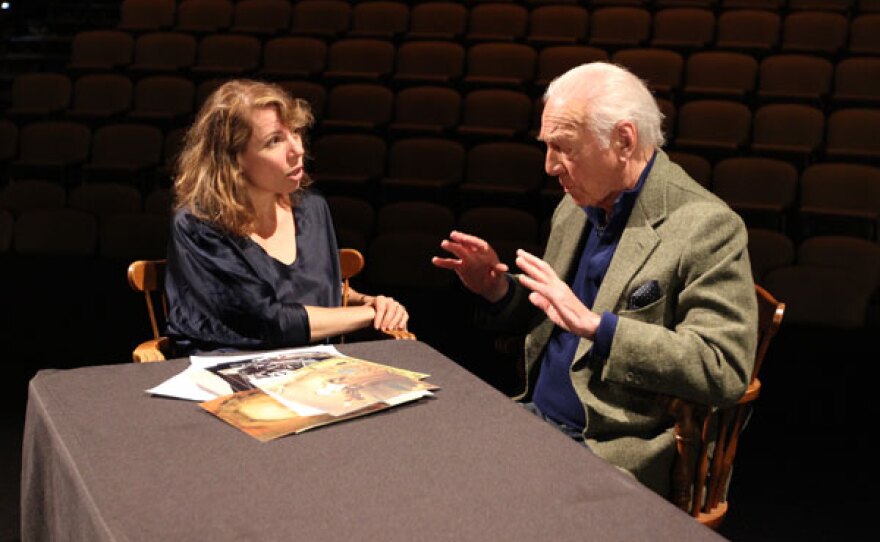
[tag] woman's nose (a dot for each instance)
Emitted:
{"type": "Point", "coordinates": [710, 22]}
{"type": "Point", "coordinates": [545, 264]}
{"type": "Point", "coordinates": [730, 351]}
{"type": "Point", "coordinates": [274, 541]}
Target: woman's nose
{"type": "Point", "coordinates": [295, 142]}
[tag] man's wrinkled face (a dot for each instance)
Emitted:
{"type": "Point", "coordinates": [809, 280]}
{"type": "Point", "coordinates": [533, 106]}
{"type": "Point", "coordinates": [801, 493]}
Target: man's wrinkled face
{"type": "Point", "coordinates": [589, 173]}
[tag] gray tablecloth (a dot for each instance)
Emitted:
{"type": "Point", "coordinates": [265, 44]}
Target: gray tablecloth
{"type": "Point", "coordinates": [104, 461]}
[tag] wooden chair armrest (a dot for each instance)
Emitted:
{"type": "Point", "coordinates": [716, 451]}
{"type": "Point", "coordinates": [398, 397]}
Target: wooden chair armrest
{"type": "Point", "coordinates": [152, 350]}
{"type": "Point", "coordinates": [399, 334]}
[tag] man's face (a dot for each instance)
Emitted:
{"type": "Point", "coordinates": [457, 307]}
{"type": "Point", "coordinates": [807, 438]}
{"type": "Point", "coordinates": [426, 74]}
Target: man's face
{"type": "Point", "coordinates": [590, 174]}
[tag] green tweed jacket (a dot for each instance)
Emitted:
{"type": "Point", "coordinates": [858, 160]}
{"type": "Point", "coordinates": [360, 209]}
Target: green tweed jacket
{"type": "Point", "coordinates": [697, 341]}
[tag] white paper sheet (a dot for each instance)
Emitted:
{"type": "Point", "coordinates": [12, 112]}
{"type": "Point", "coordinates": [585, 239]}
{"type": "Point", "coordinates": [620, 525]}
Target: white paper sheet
{"type": "Point", "coordinates": [195, 383]}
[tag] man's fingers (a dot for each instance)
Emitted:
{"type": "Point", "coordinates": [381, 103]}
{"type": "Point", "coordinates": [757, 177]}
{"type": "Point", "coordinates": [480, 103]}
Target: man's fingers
{"type": "Point", "coordinates": [445, 263]}
{"type": "Point", "coordinates": [470, 241]}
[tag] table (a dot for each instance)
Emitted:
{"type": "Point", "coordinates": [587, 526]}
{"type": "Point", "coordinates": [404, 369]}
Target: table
{"type": "Point", "coordinates": [104, 461]}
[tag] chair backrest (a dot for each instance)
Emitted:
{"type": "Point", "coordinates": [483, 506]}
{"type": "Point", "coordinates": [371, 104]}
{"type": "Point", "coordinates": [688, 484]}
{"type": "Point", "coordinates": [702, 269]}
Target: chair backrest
{"type": "Point", "coordinates": [294, 56]}
{"type": "Point", "coordinates": [148, 276]}
{"type": "Point", "coordinates": [261, 17]}
{"type": "Point", "coordinates": [351, 262]}
{"type": "Point", "coordinates": [228, 51]}
{"type": "Point", "coordinates": [164, 51]}
{"type": "Point", "coordinates": [40, 93]}
{"type": "Point", "coordinates": [496, 64]}
{"type": "Point", "coordinates": [701, 472]}
{"type": "Point", "coordinates": [698, 167]}
{"type": "Point", "coordinates": [128, 144]}
{"type": "Point", "coordinates": [314, 93]}
{"type": "Point", "coordinates": [713, 124]}
{"type": "Point", "coordinates": [748, 30]}
{"type": "Point", "coordinates": [204, 16]}
{"type": "Point", "coordinates": [415, 217]}
{"type": "Point", "coordinates": [101, 94]}
{"type": "Point", "coordinates": [789, 129]}
{"type": "Point", "coordinates": [100, 50]}
{"type": "Point", "coordinates": [558, 24]}
{"type": "Point", "coordinates": [840, 198]}
{"type": "Point", "coordinates": [379, 19]}
{"type": "Point", "coordinates": [683, 28]}
{"type": "Point", "coordinates": [426, 159]}
{"type": "Point", "coordinates": [853, 133]}
{"type": "Point", "coordinates": [619, 26]}
{"type": "Point", "coordinates": [794, 77]}
{"type": "Point", "coordinates": [427, 109]}
{"type": "Point", "coordinates": [360, 58]}
{"type": "Point", "coordinates": [321, 18]}
{"type": "Point", "coordinates": [497, 22]}
{"type": "Point", "coordinates": [864, 34]}
{"type": "Point", "coordinates": [661, 69]}
{"type": "Point", "coordinates": [437, 20]}
{"type": "Point", "coordinates": [857, 82]}
{"type": "Point", "coordinates": [30, 194]}
{"type": "Point", "coordinates": [556, 60]}
{"type": "Point", "coordinates": [429, 62]}
{"type": "Point", "coordinates": [353, 106]}
{"type": "Point", "coordinates": [163, 95]}
{"type": "Point", "coordinates": [70, 142]}
{"type": "Point", "coordinates": [146, 15]}
{"type": "Point", "coordinates": [769, 250]}
{"type": "Point", "coordinates": [752, 183]}
{"type": "Point", "coordinates": [505, 164]}
{"type": "Point", "coordinates": [817, 32]}
{"type": "Point", "coordinates": [724, 74]}
{"type": "Point", "coordinates": [501, 112]}
{"type": "Point", "coordinates": [354, 220]}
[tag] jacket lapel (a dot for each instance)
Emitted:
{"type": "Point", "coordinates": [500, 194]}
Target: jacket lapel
{"type": "Point", "coordinates": [638, 241]}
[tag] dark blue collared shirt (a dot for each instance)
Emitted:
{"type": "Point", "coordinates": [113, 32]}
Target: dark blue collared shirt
{"type": "Point", "coordinates": [554, 392]}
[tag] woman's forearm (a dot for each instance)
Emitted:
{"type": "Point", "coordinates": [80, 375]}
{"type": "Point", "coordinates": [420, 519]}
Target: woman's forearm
{"type": "Point", "coordinates": [329, 321]}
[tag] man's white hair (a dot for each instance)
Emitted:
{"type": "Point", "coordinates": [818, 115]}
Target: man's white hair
{"type": "Point", "coordinates": [610, 94]}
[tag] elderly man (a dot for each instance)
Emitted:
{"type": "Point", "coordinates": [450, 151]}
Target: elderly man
{"type": "Point", "coordinates": [645, 287]}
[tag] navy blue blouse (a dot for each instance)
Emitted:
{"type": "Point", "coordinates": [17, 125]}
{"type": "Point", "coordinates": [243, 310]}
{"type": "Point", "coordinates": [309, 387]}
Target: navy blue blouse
{"type": "Point", "coordinates": [225, 292]}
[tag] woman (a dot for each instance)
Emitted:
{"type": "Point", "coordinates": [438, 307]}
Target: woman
{"type": "Point", "coordinates": [252, 260]}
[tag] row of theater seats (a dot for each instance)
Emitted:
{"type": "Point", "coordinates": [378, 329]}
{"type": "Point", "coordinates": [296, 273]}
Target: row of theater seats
{"type": "Point", "coordinates": [108, 220]}
{"type": "Point", "coordinates": [799, 24]}
{"type": "Point", "coordinates": [760, 164]}
{"type": "Point", "coordinates": [173, 95]}
{"type": "Point", "coordinates": [827, 280]}
{"type": "Point", "coordinates": [494, 63]}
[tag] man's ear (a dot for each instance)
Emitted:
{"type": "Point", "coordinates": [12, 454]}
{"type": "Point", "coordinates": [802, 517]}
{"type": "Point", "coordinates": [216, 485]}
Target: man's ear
{"type": "Point", "coordinates": [625, 139]}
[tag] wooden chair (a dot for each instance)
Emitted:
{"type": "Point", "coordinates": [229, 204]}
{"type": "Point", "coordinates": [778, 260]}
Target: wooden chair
{"type": "Point", "coordinates": [706, 439]}
{"type": "Point", "coordinates": [148, 276]}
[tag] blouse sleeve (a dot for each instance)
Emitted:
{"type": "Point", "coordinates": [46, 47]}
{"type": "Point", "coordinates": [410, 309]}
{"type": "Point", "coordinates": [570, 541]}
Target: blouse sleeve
{"type": "Point", "coordinates": [216, 297]}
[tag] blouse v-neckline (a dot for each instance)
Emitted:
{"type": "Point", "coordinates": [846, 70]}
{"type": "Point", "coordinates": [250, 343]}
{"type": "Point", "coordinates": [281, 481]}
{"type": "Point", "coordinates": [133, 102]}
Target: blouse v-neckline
{"type": "Point", "coordinates": [296, 237]}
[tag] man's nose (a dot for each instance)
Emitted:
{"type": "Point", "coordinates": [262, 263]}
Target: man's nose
{"type": "Point", "coordinates": [551, 163]}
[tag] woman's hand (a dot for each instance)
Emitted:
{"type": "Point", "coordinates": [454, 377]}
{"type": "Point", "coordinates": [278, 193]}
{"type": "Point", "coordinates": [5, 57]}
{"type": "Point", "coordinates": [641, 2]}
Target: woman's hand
{"type": "Point", "coordinates": [389, 313]}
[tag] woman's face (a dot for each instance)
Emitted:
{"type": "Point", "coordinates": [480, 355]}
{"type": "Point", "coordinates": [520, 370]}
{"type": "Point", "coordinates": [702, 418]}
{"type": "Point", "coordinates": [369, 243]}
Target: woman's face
{"type": "Point", "coordinates": [272, 161]}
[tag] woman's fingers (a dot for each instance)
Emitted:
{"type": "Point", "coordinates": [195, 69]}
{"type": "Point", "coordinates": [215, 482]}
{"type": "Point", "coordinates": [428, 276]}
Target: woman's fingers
{"type": "Point", "coordinates": [389, 314]}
